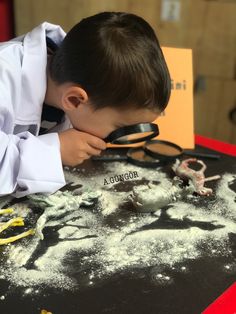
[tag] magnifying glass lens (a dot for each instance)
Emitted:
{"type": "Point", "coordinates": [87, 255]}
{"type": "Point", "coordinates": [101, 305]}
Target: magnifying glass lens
{"type": "Point", "coordinates": [133, 133]}
{"type": "Point", "coordinates": [135, 137]}
{"type": "Point", "coordinates": [141, 155]}
{"type": "Point", "coordinates": [137, 156]}
{"type": "Point", "coordinates": [164, 149]}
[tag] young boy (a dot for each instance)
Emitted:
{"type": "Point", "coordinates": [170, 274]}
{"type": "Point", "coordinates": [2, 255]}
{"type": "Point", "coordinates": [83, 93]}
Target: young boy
{"type": "Point", "coordinates": [107, 72]}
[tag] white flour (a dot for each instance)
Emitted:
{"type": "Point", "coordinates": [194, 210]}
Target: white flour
{"type": "Point", "coordinates": [101, 249]}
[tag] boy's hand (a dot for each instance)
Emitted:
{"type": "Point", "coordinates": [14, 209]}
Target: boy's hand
{"type": "Point", "coordinates": [76, 146]}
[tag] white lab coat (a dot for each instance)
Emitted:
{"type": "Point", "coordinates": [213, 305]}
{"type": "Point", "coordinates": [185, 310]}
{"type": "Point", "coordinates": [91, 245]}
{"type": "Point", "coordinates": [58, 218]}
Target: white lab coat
{"type": "Point", "coordinates": [28, 163]}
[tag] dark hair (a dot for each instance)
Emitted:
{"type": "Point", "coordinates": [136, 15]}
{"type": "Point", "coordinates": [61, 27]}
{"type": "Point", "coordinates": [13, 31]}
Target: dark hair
{"type": "Point", "coordinates": [117, 59]}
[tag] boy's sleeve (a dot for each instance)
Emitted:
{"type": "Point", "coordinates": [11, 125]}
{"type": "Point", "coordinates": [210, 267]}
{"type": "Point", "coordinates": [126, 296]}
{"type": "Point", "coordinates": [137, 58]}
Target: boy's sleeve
{"type": "Point", "coordinates": [30, 164]}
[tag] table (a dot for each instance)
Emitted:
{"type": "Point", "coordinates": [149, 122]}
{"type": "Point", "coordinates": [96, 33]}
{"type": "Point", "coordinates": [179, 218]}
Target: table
{"type": "Point", "coordinates": [126, 266]}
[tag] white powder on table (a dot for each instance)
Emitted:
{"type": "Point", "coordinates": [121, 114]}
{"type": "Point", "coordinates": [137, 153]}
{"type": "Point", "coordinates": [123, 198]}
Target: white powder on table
{"type": "Point", "coordinates": [101, 250]}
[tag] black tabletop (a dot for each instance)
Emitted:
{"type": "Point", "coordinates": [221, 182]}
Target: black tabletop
{"type": "Point", "coordinates": [151, 284]}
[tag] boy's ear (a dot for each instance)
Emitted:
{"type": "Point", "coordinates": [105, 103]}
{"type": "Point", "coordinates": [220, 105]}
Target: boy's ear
{"type": "Point", "coordinates": [73, 96]}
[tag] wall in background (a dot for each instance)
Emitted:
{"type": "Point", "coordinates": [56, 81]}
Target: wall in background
{"type": "Point", "coordinates": [206, 26]}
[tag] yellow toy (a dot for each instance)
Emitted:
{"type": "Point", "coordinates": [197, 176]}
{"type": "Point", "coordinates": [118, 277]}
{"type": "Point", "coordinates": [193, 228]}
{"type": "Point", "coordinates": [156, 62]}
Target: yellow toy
{"type": "Point", "coordinates": [17, 221]}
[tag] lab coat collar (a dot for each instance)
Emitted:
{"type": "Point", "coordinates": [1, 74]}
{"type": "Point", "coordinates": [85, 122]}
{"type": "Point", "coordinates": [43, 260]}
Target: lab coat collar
{"type": "Point", "coordinates": [34, 66]}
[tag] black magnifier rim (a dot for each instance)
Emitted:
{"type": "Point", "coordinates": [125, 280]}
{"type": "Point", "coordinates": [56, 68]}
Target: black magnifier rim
{"type": "Point", "coordinates": [159, 155]}
{"type": "Point", "coordinates": [145, 163]}
{"type": "Point", "coordinates": [114, 136]}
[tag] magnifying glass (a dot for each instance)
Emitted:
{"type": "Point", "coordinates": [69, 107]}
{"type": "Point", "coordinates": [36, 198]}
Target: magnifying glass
{"type": "Point", "coordinates": [134, 133]}
{"type": "Point", "coordinates": [136, 156]}
{"type": "Point", "coordinates": [131, 134]}
{"type": "Point", "coordinates": [164, 150]}
{"type": "Point", "coordinates": [154, 153]}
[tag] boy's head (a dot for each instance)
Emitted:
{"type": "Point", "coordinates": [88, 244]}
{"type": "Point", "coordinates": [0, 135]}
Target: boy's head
{"type": "Point", "coordinates": [111, 63]}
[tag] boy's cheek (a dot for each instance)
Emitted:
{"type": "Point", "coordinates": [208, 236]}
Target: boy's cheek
{"type": "Point", "coordinates": [98, 132]}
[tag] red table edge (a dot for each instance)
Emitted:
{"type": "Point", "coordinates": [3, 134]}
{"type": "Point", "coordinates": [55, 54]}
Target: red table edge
{"type": "Point", "coordinates": [222, 147]}
{"type": "Point", "coordinates": [225, 303]}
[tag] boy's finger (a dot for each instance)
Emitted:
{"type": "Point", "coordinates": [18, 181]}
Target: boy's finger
{"type": "Point", "coordinates": [96, 142]}
{"type": "Point", "coordinates": [93, 151]}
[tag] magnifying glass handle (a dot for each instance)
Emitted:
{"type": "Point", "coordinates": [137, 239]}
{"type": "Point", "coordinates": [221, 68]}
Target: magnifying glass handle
{"type": "Point", "coordinates": [109, 158]}
{"type": "Point", "coordinates": [202, 155]}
